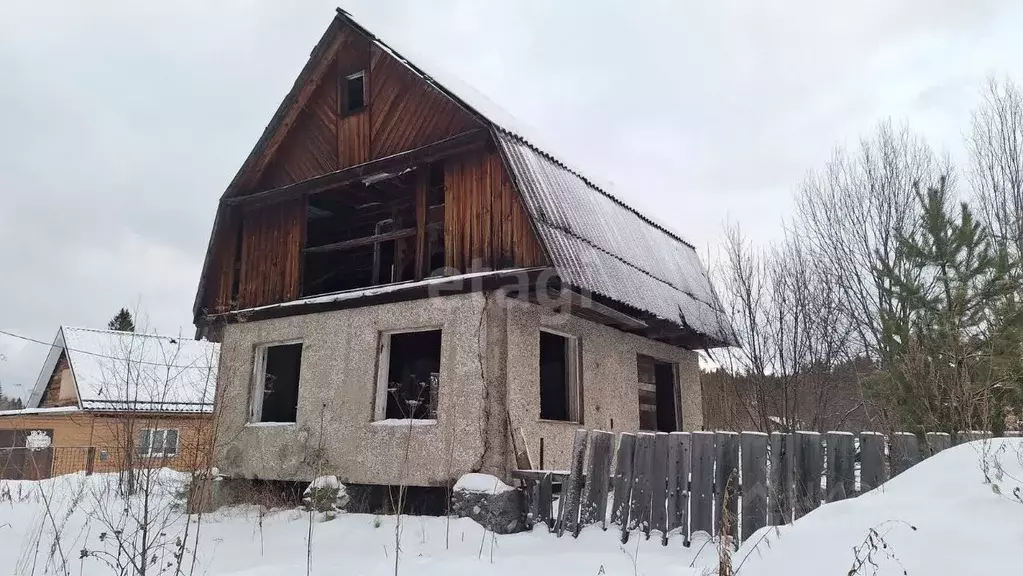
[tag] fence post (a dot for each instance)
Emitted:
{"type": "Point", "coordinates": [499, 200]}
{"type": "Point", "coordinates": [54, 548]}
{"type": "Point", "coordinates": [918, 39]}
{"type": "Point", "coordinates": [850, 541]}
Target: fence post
{"type": "Point", "coordinates": [571, 490]}
{"type": "Point", "coordinates": [702, 492]}
{"type": "Point", "coordinates": [937, 441]}
{"type": "Point", "coordinates": [642, 465]}
{"type": "Point", "coordinates": [678, 482]}
{"type": "Point", "coordinates": [872, 471]}
{"type": "Point", "coordinates": [904, 452]}
{"type": "Point", "coordinates": [809, 465]}
{"type": "Point", "coordinates": [546, 493]}
{"type": "Point", "coordinates": [841, 466]}
{"type": "Point", "coordinates": [780, 488]}
{"type": "Point", "coordinates": [754, 482]}
{"type": "Point", "coordinates": [90, 460]}
{"type": "Point", "coordinates": [598, 473]}
{"type": "Point", "coordinates": [658, 488]}
{"type": "Point", "coordinates": [726, 482]}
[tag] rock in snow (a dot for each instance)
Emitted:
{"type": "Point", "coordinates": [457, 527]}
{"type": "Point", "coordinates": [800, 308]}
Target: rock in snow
{"type": "Point", "coordinates": [486, 499]}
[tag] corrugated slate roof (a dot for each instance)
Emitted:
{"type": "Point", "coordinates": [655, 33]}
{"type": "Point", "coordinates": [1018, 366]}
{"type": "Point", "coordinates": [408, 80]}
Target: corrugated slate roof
{"type": "Point", "coordinates": [598, 244]}
{"type": "Point", "coordinates": [594, 240]}
{"type": "Point", "coordinates": [119, 371]}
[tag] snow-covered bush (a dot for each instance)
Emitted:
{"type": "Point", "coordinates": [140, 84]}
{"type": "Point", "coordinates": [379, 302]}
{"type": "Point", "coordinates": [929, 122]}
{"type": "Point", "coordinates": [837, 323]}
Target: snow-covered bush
{"type": "Point", "coordinates": [326, 494]}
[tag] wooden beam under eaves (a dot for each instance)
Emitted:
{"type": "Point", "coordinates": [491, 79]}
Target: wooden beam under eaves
{"type": "Point", "coordinates": [366, 171]}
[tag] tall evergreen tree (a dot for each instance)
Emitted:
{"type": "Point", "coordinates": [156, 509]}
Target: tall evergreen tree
{"type": "Point", "coordinates": [952, 339]}
{"type": "Point", "coordinates": [122, 321]}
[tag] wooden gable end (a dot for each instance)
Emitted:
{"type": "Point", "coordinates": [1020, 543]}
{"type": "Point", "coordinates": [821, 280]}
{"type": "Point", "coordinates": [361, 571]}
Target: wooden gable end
{"type": "Point", "coordinates": [258, 250]}
{"type": "Point", "coordinates": [402, 112]}
{"type": "Point", "coordinates": [60, 390]}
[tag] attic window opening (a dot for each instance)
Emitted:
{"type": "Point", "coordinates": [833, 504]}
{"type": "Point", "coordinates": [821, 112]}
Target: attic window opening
{"type": "Point", "coordinates": [275, 383]}
{"type": "Point", "coordinates": [355, 92]}
{"type": "Point", "coordinates": [408, 378]}
{"type": "Point", "coordinates": [560, 382]}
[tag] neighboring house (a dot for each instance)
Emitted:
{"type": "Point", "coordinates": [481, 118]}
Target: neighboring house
{"type": "Point", "coordinates": [106, 400]}
{"type": "Point", "coordinates": [403, 281]}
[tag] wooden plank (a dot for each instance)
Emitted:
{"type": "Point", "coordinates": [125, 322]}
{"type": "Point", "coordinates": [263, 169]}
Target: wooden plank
{"type": "Point", "coordinates": [642, 467]}
{"type": "Point", "coordinates": [546, 501]}
{"type": "Point", "coordinates": [366, 241]}
{"type": "Point", "coordinates": [754, 482]}
{"type": "Point", "coordinates": [678, 482]}
{"type": "Point", "coordinates": [571, 491]}
{"type": "Point", "coordinates": [422, 214]}
{"type": "Point", "coordinates": [726, 483]}
{"type": "Point", "coordinates": [904, 452]}
{"type": "Point", "coordinates": [702, 487]}
{"type": "Point", "coordinates": [780, 487]}
{"type": "Point", "coordinates": [938, 441]}
{"type": "Point", "coordinates": [658, 486]}
{"type": "Point", "coordinates": [598, 472]}
{"type": "Point", "coordinates": [520, 447]}
{"type": "Point", "coordinates": [623, 480]}
{"type": "Point", "coordinates": [809, 466]}
{"type": "Point", "coordinates": [872, 468]}
{"type": "Point", "coordinates": [840, 468]}
{"type": "Point", "coordinates": [387, 165]}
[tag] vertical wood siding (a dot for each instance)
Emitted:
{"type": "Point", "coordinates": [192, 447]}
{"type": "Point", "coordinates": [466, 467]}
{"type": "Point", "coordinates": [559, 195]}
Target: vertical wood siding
{"type": "Point", "coordinates": [271, 253]}
{"type": "Point", "coordinates": [311, 148]}
{"type": "Point", "coordinates": [484, 219]}
{"type": "Point", "coordinates": [485, 223]}
{"type": "Point", "coordinates": [406, 112]}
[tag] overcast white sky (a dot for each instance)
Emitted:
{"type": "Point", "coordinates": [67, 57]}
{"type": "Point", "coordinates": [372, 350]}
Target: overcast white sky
{"type": "Point", "coordinates": [121, 123]}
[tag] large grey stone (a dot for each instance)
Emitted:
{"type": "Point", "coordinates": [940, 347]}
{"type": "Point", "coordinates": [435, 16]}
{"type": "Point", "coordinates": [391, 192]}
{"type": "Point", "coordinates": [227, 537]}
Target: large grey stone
{"type": "Point", "coordinates": [490, 502]}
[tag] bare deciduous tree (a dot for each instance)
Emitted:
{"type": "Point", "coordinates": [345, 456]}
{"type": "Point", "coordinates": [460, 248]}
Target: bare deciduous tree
{"type": "Point", "coordinates": [995, 144]}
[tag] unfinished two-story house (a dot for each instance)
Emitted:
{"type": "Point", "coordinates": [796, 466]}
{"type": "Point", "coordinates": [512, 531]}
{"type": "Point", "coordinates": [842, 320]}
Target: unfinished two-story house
{"type": "Point", "coordinates": [407, 287]}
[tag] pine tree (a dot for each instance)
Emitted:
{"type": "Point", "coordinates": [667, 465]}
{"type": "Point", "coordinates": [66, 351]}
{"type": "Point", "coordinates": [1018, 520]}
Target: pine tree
{"type": "Point", "coordinates": [952, 334]}
{"type": "Point", "coordinates": [122, 321]}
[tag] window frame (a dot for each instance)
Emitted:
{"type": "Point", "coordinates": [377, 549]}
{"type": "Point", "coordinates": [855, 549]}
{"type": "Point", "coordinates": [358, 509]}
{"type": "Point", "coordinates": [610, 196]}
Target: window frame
{"type": "Point", "coordinates": [384, 369]}
{"type": "Point", "coordinates": [152, 432]}
{"type": "Point", "coordinates": [345, 110]}
{"type": "Point", "coordinates": [257, 384]}
{"type": "Point", "coordinates": [574, 378]}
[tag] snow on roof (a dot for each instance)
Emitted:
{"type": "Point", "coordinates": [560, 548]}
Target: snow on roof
{"type": "Point", "coordinates": [36, 411]}
{"type": "Point", "coordinates": [116, 371]}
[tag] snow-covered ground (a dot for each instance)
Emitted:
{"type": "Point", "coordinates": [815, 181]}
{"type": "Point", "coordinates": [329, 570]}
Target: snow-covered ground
{"type": "Point", "coordinates": [963, 526]}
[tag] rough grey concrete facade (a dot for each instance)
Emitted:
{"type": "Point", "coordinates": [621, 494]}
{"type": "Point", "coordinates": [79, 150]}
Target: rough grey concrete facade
{"type": "Point", "coordinates": [610, 380]}
{"type": "Point", "coordinates": [489, 376]}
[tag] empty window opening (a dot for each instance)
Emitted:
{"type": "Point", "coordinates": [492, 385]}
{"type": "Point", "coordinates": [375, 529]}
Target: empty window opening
{"type": "Point", "coordinates": [355, 92]}
{"type": "Point", "coordinates": [275, 386]}
{"type": "Point", "coordinates": [408, 382]}
{"type": "Point", "coordinates": [560, 386]}
{"type": "Point", "coordinates": [157, 443]}
{"type": "Point", "coordinates": [658, 392]}
{"type": "Point", "coordinates": [361, 235]}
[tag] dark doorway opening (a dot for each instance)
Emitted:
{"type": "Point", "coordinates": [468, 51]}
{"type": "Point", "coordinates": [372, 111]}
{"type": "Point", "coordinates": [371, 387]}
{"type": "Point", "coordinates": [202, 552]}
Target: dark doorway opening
{"type": "Point", "coordinates": [658, 395]}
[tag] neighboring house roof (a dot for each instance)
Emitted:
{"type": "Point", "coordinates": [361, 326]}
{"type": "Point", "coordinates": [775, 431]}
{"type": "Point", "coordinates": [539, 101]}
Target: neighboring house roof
{"type": "Point", "coordinates": [595, 241]}
{"type": "Point", "coordinates": [119, 371]}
